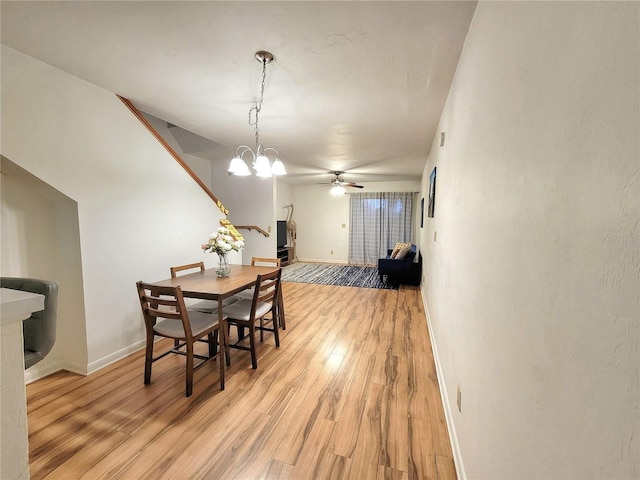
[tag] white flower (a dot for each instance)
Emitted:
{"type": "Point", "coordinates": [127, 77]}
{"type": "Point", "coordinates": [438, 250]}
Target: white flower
{"type": "Point", "coordinates": [221, 242]}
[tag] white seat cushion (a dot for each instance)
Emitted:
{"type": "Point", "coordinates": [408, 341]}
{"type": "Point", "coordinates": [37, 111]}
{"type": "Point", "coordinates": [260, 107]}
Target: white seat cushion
{"type": "Point", "coordinates": [242, 310]}
{"type": "Point", "coordinates": [199, 323]}
{"type": "Point", "coordinates": [209, 306]}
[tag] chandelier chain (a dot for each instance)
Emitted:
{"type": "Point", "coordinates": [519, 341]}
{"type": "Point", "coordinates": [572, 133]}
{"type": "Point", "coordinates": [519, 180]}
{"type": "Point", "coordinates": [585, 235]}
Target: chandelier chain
{"type": "Point", "coordinates": [258, 106]}
{"type": "Point", "coordinates": [261, 162]}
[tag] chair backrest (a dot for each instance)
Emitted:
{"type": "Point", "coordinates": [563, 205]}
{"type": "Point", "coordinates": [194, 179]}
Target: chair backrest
{"type": "Point", "coordinates": [271, 261]}
{"type": "Point", "coordinates": [163, 303]}
{"type": "Point", "coordinates": [267, 289]}
{"type": "Point", "coordinates": [190, 266]}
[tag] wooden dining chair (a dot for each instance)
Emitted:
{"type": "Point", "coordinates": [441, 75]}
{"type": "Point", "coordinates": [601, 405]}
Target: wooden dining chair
{"type": "Point", "coordinates": [189, 266]}
{"type": "Point", "coordinates": [206, 306]}
{"type": "Point", "coordinates": [260, 261]}
{"type": "Point", "coordinates": [248, 294]}
{"type": "Point", "coordinates": [165, 315]}
{"type": "Point", "coordinates": [252, 314]}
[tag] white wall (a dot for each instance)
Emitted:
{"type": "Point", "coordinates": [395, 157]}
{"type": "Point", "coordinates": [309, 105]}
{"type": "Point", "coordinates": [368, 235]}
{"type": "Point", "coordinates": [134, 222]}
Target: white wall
{"type": "Point", "coordinates": [532, 285]}
{"type": "Point", "coordinates": [138, 212]}
{"type": "Point", "coordinates": [203, 169]}
{"type": "Point", "coordinates": [322, 220]}
{"type": "Point", "coordinates": [284, 196]}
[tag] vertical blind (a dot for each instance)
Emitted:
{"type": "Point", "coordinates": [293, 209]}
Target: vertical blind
{"type": "Point", "coordinates": [377, 221]}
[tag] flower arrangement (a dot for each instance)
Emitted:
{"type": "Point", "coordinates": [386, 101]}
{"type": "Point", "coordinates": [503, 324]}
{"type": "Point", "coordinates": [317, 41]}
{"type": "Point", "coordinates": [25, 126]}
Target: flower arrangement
{"type": "Point", "coordinates": [221, 242]}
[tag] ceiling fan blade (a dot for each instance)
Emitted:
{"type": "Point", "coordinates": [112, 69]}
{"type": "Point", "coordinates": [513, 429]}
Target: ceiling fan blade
{"type": "Point", "coordinates": [351, 184]}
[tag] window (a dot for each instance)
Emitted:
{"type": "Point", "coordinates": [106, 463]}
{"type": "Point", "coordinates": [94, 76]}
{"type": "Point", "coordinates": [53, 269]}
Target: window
{"type": "Point", "coordinates": [377, 221]}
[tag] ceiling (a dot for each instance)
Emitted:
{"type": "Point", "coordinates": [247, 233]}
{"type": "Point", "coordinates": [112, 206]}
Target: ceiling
{"type": "Point", "coordinates": [355, 86]}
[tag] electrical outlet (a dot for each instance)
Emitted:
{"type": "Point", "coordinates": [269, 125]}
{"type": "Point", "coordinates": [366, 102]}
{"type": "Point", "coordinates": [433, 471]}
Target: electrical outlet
{"type": "Point", "coordinates": [344, 225]}
{"type": "Point", "coordinates": [459, 399]}
{"type": "Point", "coordinates": [269, 229]}
{"type": "Point", "coordinates": [331, 252]}
{"type": "Point", "coordinates": [435, 236]}
{"type": "Point", "coordinates": [442, 139]}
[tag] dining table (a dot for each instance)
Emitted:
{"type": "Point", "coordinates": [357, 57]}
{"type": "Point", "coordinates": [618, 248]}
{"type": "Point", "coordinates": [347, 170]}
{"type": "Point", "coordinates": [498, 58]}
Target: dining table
{"type": "Point", "coordinates": [207, 285]}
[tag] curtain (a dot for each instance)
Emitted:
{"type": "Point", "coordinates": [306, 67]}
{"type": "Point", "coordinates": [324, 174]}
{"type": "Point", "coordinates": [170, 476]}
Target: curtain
{"type": "Point", "coordinates": [377, 221]}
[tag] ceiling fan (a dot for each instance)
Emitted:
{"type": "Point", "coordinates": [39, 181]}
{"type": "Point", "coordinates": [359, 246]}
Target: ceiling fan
{"type": "Point", "coordinates": [338, 184]}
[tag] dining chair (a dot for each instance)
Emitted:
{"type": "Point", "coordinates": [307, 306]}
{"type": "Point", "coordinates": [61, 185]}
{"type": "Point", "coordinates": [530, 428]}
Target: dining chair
{"type": "Point", "coordinates": [206, 306]}
{"type": "Point", "coordinates": [189, 266]}
{"type": "Point", "coordinates": [248, 293]}
{"type": "Point", "coordinates": [165, 315]}
{"type": "Point", "coordinates": [252, 314]}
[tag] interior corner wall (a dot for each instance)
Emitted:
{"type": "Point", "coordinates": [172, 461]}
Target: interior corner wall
{"type": "Point", "coordinates": [138, 211]}
{"type": "Point", "coordinates": [532, 281]}
{"type": "Point", "coordinates": [40, 239]}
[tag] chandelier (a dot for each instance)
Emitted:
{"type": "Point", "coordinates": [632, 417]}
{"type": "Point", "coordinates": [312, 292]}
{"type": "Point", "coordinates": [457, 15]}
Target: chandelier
{"type": "Point", "coordinates": [260, 162]}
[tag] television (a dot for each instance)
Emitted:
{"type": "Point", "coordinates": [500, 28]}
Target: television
{"type": "Point", "coordinates": [281, 239]}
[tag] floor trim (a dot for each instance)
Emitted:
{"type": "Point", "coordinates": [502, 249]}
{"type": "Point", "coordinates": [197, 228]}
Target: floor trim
{"type": "Point", "coordinates": [455, 446]}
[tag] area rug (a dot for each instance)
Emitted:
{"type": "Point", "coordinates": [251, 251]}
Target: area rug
{"type": "Point", "coordinates": [328, 274]}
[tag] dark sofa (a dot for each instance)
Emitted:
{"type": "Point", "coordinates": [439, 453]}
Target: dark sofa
{"type": "Point", "coordinates": [39, 329]}
{"type": "Point", "coordinates": [406, 271]}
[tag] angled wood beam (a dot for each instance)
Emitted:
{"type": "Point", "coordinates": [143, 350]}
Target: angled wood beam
{"type": "Point", "coordinates": [173, 153]}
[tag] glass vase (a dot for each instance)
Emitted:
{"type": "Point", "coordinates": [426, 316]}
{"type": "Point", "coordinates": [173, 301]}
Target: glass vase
{"type": "Point", "coordinates": [223, 266]}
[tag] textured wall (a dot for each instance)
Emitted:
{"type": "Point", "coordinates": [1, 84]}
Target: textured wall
{"type": "Point", "coordinates": [532, 282]}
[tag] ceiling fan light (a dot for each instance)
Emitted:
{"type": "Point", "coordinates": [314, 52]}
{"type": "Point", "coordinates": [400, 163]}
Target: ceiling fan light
{"type": "Point", "coordinates": [278, 167]}
{"type": "Point", "coordinates": [337, 190]}
{"type": "Point", "coordinates": [238, 167]}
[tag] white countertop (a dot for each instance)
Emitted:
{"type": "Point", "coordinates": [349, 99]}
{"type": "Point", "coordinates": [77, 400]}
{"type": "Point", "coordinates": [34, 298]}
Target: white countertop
{"type": "Point", "coordinates": [18, 305]}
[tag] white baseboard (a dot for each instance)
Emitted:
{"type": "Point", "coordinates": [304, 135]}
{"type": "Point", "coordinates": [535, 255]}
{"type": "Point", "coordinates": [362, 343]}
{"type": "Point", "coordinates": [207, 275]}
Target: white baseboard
{"type": "Point", "coordinates": [39, 371]}
{"type": "Point", "coordinates": [323, 260]}
{"type": "Point", "coordinates": [114, 357]}
{"type": "Point", "coordinates": [453, 437]}
{"type": "Point", "coordinates": [34, 373]}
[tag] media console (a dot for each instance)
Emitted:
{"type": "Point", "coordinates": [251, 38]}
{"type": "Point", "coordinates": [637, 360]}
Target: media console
{"type": "Point", "coordinates": [286, 254]}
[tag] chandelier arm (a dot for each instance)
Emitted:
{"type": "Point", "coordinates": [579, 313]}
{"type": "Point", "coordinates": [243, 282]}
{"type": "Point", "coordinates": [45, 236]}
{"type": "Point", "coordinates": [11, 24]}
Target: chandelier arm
{"type": "Point", "coordinates": [242, 149]}
{"type": "Point", "coordinates": [271, 149]}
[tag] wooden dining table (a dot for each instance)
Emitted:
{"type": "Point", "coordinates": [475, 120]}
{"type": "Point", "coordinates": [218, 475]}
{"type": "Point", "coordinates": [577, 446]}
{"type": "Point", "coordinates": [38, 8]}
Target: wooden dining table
{"type": "Point", "coordinates": [208, 286]}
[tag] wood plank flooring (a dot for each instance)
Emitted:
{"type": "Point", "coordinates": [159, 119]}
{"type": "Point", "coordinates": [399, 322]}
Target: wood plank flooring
{"type": "Point", "coordinates": [351, 393]}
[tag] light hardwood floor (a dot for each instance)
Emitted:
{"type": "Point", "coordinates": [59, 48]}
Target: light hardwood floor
{"type": "Point", "coordinates": [351, 393]}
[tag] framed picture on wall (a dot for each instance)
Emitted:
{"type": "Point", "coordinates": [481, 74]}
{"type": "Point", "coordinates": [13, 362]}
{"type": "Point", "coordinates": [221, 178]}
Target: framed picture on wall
{"type": "Point", "coordinates": [432, 193]}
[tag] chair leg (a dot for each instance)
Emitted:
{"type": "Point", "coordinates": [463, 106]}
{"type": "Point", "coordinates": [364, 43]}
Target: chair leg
{"type": "Point", "coordinates": [148, 359]}
{"type": "Point", "coordinates": [283, 324]}
{"type": "Point", "coordinates": [252, 342]}
{"type": "Point", "coordinates": [189, 373]}
{"type": "Point", "coordinates": [213, 343]}
{"type": "Point", "coordinates": [227, 353]}
{"type": "Point", "coordinates": [274, 321]}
